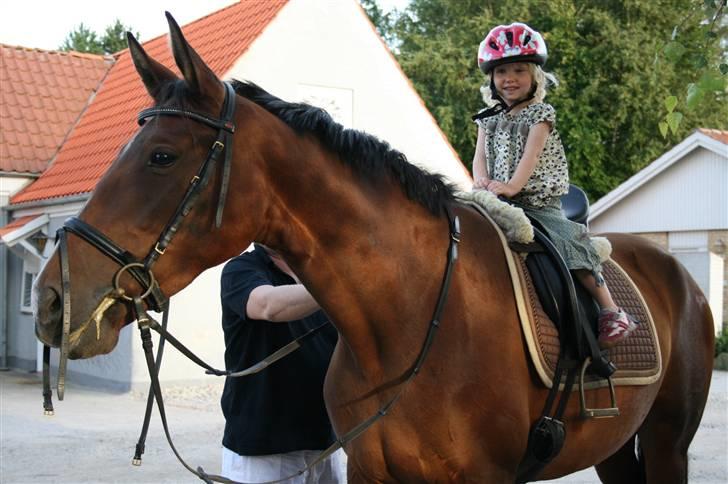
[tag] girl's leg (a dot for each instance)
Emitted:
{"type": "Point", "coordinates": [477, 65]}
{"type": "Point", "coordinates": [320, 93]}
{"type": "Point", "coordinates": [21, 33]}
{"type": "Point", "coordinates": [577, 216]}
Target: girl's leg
{"type": "Point", "coordinates": [614, 324]}
{"type": "Point", "coordinates": [600, 293]}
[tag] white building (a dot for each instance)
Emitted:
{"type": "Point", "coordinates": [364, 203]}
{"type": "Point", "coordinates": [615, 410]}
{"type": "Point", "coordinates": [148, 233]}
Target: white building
{"type": "Point", "coordinates": [680, 201]}
{"type": "Point", "coordinates": [325, 53]}
{"type": "Point", "coordinates": [43, 94]}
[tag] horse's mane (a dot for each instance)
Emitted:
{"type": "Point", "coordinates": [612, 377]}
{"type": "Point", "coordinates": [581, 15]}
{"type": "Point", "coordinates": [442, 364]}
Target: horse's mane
{"type": "Point", "coordinates": [367, 154]}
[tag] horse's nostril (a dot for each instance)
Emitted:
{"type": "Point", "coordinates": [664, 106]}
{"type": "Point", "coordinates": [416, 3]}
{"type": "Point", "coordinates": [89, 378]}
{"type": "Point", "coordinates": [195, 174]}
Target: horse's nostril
{"type": "Point", "coordinates": [49, 307]}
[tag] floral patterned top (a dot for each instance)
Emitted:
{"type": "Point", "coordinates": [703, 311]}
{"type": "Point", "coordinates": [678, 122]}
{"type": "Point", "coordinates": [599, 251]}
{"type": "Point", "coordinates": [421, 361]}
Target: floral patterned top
{"type": "Point", "coordinates": [505, 141]}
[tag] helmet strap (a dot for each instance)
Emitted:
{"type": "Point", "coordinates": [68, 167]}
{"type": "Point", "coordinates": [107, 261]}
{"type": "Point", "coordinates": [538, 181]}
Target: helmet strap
{"type": "Point", "coordinates": [501, 105]}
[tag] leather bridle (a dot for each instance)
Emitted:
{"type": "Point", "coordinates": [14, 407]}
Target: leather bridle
{"type": "Point", "coordinates": [141, 271]}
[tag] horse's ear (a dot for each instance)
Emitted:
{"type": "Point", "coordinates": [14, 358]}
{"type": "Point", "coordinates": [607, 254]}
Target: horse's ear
{"type": "Point", "coordinates": [197, 74]}
{"type": "Point", "coordinates": [153, 73]}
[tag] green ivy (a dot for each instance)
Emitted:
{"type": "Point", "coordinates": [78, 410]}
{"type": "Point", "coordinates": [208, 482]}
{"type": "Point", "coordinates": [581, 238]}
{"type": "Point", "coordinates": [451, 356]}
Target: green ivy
{"type": "Point", "coordinates": [721, 342]}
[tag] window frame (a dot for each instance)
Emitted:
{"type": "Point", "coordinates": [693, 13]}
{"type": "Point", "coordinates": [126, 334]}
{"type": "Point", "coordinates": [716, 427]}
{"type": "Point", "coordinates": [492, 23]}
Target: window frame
{"type": "Point", "coordinates": [28, 270]}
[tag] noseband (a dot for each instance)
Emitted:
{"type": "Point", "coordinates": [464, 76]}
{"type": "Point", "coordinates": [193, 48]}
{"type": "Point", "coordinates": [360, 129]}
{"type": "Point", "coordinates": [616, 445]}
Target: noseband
{"type": "Point", "coordinates": [141, 270]}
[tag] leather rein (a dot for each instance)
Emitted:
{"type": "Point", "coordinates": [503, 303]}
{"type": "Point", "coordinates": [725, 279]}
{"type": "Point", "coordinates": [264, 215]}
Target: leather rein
{"type": "Point", "coordinates": [152, 295]}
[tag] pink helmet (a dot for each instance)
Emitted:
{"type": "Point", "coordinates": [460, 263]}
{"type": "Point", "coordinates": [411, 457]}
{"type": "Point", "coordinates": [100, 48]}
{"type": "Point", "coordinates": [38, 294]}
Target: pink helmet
{"type": "Point", "coordinates": [505, 44]}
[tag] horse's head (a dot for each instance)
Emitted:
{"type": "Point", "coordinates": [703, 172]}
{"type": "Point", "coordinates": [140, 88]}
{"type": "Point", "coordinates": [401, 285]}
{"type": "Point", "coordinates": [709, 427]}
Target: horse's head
{"type": "Point", "coordinates": [166, 183]}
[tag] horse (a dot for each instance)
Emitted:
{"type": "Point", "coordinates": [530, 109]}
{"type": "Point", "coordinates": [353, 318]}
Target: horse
{"type": "Point", "coordinates": [368, 233]}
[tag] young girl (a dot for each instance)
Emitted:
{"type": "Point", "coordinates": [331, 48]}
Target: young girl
{"type": "Point", "coordinates": [519, 155]}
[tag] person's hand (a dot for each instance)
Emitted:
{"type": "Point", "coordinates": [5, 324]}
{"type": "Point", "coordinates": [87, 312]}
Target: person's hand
{"type": "Point", "coordinates": [501, 189]}
{"type": "Point", "coordinates": [481, 183]}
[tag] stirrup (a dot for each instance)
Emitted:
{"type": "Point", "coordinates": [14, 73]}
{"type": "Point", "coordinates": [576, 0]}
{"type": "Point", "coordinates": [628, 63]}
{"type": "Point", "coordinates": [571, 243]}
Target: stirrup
{"type": "Point", "coordinates": [612, 411]}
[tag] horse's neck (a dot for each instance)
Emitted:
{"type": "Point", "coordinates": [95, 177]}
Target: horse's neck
{"type": "Point", "coordinates": [362, 252]}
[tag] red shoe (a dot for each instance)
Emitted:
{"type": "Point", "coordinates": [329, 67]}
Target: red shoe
{"type": "Point", "coordinates": [614, 327]}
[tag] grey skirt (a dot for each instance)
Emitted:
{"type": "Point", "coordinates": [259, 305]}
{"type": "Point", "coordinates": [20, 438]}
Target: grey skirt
{"type": "Point", "coordinates": [571, 239]}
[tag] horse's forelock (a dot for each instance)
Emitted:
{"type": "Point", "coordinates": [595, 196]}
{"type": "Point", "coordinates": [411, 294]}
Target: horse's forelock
{"type": "Point", "coordinates": [175, 93]}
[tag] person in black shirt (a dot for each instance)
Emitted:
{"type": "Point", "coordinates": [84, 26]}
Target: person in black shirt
{"type": "Point", "coordinates": [275, 421]}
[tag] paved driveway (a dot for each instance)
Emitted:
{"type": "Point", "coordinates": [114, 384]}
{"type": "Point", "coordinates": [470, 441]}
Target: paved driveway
{"type": "Point", "coordinates": [92, 436]}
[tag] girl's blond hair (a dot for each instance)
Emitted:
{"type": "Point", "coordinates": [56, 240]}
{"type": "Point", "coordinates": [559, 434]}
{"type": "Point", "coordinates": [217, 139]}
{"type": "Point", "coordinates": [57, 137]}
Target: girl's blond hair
{"type": "Point", "coordinates": [542, 79]}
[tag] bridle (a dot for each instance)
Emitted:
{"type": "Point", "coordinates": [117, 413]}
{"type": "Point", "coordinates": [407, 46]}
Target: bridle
{"type": "Point", "coordinates": [141, 271]}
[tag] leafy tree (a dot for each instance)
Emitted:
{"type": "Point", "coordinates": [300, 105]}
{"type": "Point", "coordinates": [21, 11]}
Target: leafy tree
{"type": "Point", "coordinates": [114, 38]}
{"type": "Point", "coordinates": [81, 39]}
{"type": "Point", "coordinates": [697, 45]}
{"type": "Point", "coordinates": [608, 55]}
{"type": "Point", "coordinates": [382, 21]}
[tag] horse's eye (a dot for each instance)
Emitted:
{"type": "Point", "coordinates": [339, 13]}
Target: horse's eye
{"type": "Point", "coordinates": [160, 158]}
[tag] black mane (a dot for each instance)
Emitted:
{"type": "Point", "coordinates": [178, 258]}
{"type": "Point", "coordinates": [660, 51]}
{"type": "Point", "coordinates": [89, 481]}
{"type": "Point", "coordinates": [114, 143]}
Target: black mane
{"type": "Point", "coordinates": [368, 155]}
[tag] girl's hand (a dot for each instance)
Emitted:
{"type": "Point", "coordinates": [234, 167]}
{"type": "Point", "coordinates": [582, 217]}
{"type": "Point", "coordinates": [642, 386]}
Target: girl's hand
{"type": "Point", "coordinates": [500, 188]}
{"type": "Point", "coordinates": [481, 183]}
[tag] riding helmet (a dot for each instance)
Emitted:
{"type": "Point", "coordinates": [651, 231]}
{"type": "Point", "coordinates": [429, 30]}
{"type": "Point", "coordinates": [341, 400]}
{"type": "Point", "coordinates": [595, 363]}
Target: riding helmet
{"type": "Point", "coordinates": [506, 44]}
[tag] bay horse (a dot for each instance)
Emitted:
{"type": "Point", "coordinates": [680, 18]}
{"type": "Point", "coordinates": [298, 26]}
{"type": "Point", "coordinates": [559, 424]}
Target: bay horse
{"type": "Point", "coordinates": [368, 235]}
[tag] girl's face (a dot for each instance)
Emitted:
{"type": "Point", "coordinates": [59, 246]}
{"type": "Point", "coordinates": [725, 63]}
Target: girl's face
{"type": "Point", "coordinates": [513, 81]}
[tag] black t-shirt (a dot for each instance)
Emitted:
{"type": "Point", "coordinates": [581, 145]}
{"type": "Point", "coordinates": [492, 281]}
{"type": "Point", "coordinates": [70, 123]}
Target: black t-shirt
{"type": "Point", "coordinates": [281, 409]}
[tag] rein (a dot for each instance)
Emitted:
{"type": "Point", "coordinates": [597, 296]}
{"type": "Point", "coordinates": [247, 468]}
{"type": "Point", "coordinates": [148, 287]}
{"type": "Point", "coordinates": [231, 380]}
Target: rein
{"type": "Point", "coordinates": [141, 271]}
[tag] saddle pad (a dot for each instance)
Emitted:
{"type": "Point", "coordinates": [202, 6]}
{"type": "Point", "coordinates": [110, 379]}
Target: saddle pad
{"type": "Point", "coordinates": [638, 359]}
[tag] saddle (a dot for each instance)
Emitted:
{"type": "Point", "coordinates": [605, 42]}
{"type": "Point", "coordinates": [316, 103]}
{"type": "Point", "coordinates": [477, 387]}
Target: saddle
{"type": "Point", "coordinates": [558, 318]}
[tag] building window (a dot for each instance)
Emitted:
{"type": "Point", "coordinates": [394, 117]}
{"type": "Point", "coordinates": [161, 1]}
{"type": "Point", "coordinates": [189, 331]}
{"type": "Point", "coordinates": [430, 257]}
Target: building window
{"type": "Point", "coordinates": [26, 290]}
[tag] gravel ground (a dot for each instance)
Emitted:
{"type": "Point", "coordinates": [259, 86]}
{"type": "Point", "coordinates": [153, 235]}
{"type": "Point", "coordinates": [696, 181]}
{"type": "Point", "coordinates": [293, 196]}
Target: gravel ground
{"type": "Point", "coordinates": [91, 438]}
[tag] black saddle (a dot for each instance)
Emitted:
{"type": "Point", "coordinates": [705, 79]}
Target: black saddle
{"type": "Point", "coordinates": [575, 205]}
{"type": "Point", "coordinates": [567, 303]}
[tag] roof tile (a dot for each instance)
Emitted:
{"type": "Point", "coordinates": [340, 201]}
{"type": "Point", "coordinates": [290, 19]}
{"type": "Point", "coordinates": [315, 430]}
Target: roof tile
{"type": "Point", "coordinates": [720, 135]}
{"type": "Point", "coordinates": [110, 120]}
{"type": "Point", "coordinates": [16, 224]}
{"type": "Point", "coordinates": [30, 82]}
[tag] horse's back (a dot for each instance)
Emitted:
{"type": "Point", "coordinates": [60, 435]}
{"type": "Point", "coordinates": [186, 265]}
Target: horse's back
{"type": "Point", "coordinates": [679, 308]}
{"type": "Point", "coordinates": [663, 280]}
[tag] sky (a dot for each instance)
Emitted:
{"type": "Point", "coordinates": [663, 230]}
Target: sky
{"type": "Point", "coordinates": [45, 23]}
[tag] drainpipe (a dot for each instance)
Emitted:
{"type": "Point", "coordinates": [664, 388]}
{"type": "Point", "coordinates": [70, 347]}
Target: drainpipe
{"type": "Point", "coordinates": [3, 293]}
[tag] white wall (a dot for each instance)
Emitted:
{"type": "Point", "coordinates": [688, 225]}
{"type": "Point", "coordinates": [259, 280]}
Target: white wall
{"type": "Point", "coordinates": [692, 194]}
{"type": "Point", "coordinates": [195, 319]}
{"type": "Point", "coordinates": [707, 270]}
{"type": "Point", "coordinates": [327, 49]}
{"type": "Point", "coordinates": [716, 271]}
{"type": "Point", "coordinates": [9, 185]}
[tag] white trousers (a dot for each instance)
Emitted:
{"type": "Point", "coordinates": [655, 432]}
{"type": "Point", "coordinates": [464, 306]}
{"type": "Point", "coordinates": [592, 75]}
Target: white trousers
{"type": "Point", "coordinates": [262, 468]}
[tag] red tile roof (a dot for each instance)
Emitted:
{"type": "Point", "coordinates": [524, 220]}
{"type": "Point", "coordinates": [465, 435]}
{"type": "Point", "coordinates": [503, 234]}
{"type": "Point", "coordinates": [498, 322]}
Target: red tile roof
{"type": "Point", "coordinates": [43, 93]}
{"type": "Point", "coordinates": [16, 224]}
{"type": "Point", "coordinates": [718, 134]}
{"type": "Point", "coordinates": [220, 38]}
